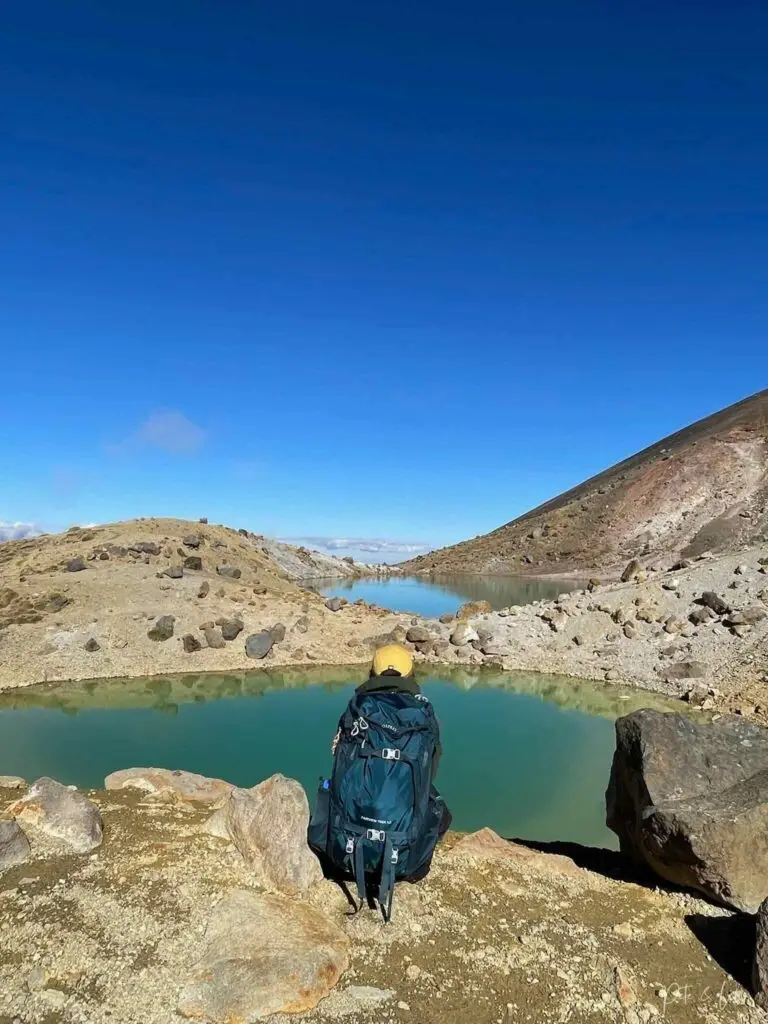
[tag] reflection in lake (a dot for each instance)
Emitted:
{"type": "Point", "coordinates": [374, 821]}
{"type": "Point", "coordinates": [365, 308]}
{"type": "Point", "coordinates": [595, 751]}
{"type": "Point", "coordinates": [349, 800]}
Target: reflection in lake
{"type": "Point", "coordinates": [529, 756]}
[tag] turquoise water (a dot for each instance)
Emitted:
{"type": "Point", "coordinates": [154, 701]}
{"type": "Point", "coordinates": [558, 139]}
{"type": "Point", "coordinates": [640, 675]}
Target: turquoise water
{"type": "Point", "coordinates": [435, 596]}
{"type": "Point", "coordinates": [529, 757]}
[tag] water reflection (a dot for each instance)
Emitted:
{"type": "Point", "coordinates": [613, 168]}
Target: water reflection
{"type": "Point", "coordinates": [438, 595]}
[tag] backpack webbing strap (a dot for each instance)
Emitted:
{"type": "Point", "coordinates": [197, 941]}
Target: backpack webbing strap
{"type": "Point", "coordinates": [387, 882]}
{"type": "Point", "coordinates": [359, 857]}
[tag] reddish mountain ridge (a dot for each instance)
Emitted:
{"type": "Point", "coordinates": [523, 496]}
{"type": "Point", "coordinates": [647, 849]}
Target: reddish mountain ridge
{"type": "Point", "coordinates": [704, 488]}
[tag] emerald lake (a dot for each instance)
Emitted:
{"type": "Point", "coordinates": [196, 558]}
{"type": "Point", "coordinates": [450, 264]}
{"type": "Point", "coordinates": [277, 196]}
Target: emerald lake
{"type": "Point", "coordinates": [529, 757]}
{"type": "Point", "coordinates": [433, 596]}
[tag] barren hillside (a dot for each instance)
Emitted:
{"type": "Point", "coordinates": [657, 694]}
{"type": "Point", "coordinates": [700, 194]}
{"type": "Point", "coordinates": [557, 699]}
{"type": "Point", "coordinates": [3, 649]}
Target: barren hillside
{"type": "Point", "coordinates": [704, 488]}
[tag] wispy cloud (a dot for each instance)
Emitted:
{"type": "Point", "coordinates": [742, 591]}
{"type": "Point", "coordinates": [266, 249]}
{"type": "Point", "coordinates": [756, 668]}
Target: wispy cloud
{"type": "Point", "coordinates": [371, 545]}
{"type": "Point", "coordinates": [17, 531]}
{"type": "Point", "coordinates": [168, 430]}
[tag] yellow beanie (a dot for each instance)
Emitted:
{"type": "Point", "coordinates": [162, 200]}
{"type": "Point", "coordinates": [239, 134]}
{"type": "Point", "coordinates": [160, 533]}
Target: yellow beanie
{"type": "Point", "coordinates": [394, 658]}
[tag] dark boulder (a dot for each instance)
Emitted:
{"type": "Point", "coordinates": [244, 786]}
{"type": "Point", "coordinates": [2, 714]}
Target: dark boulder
{"type": "Point", "coordinates": [192, 540]}
{"type": "Point", "coordinates": [75, 565]}
{"type": "Point", "coordinates": [711, 600]}
{"type": "Point", "coordinates": [203, 520]}
{"type": "Point", "coordinates": [193, 562]}
{"type": "Point", "coordinates": [205, 588]}
{"type": "Point", "coordinates": [213, 637]}
{"type": "Point", "coordinates": [163, 628]}
{"type": "Point", "coordinates": [92, 645]}
{"type": "Point", "coordinates": [145, 547]}
{"type": "Point", "coordinates": [690, 799]}
{"type": "Point", "coordinates": [335, 604]}
{"type": "Point", "coordinates": [277, 632]}
{"type": "Point", "coordinates": [760, 962]}
{"type": "Point", "coordinates": [229, 571]}
{"type": "Point", "coordinates": [230, 628]}
{"type": "Point", "coordinates": [418, 635]}
{"type": "Point", "coordinates": [258, 645]}
{"type": "Point", "coordinates": [174, 572]}
{"type": "Point", "coordinates": [191, 643]}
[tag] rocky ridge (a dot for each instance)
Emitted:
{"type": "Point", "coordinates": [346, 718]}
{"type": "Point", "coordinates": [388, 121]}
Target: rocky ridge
{"type": "Point", "coordinates": [704, 488]}
{"type": "Point", "coordinates": [163, 595]}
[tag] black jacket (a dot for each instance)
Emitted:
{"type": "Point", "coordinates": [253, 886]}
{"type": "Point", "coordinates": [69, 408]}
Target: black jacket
{"type": "Point", "coordinates": [399, 684]}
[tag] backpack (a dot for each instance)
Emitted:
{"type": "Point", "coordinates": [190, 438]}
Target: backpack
{"type": "Point", "coordinates": [377, 819]}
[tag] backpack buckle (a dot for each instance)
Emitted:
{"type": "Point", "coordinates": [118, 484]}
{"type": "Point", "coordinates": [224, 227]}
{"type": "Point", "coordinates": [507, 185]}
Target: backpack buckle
{"type": "Point", "coordinates": [350, 846]}
{"type": "Point", "coordinates": [376, 834]}
{"type": "Point", "coordinates": [390, 755]}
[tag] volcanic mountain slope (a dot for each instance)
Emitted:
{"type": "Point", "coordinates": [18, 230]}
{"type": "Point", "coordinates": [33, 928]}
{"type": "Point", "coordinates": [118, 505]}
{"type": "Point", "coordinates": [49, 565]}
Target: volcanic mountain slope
{"type": "Point", "coordinates": [704, 488]}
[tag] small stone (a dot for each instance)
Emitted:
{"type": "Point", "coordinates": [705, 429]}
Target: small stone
{"type": "Point", "coordinates": [174, 572]}
{"type": "Point", "coordinates": [335, 604]}
{"type": "Point", "coordinates": [403, 1006]}
{"type": "Point", "coordinates": [620, 615]}
{"type": "Point", "coordinates": [277, 632]}
{"type": "Point", "coordinates": [163, 628]}
{"type": "Point", "coordinates": [741, 570]}
{"type": "Point", "coordinates": [448, 617]}
{"type": "Point", "coordinates": [741, 631]}
{"type": "Point", "coordinates": [203, 520]}
{"type": "Point", "coordinates": [593, 584]}
{"type": "Point", "coordinates": [631, 571]}
{"type": "Point", "coordinates": [472, 609]}
{"type": "Point", "coordinates": [578, 640]}
{"type": "Point", "coordinates": [611, 675]}
{"type": "Point", "coordinates": [213, 638]}
{"type": "Point", "coordinates": [701, 615]}
{"type": "Point", "coordinates": [258, 645]}
{"type": "Point", "coordinates": [671, 585]}
{"type": "Point", "coordinates": [229, 571]}
{"type": "Point", "coordinates": [717, 604]}
{"type": "Point", "coordinates": [260, 590]}
{"type": "Point", "coordinates": [204, 590]}
{"type": "Point", "coordinates": [192, 540]}
{"type": "Point", "coordinates": [193, 562]}
{"type": "Point", "coordinates": [191, 643]}
{"type": "Point", "coordinates": [301, 625]}
{"type": "Point", "coordinates": [92, 645]}
{"type": "Point", "coordinates": [75, 565]}
{"type": "Point", "coordinates": [14, 845]}
{"type": "Point", "coordinates": [673, 624]}
{"type": "Point", "coordinates": [630, 630]}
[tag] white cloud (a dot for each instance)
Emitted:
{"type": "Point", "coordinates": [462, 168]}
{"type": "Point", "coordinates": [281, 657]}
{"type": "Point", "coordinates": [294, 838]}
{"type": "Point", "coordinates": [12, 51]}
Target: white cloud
{"type": "Point", "coordinates": [169, 430]}
{"type": "Point", "coordinates": [371, 545]}
{"type": "Point", "coordinates": [17, 531]}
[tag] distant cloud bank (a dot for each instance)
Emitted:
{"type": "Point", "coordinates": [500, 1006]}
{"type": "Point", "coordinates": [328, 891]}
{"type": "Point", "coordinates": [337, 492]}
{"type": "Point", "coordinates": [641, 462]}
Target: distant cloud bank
{"type": "Point", "coordinates": [371, 545]}
{"type": "Point", "coordinates": [17, 531]}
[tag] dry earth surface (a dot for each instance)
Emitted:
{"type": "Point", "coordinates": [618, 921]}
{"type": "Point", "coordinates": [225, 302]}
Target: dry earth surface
{"type": "Point", "coordinates": [497, 934]}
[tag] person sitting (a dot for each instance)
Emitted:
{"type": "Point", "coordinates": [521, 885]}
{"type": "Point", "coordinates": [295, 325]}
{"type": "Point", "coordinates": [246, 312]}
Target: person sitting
{"type": "Point", "coordinates": [379, 817]}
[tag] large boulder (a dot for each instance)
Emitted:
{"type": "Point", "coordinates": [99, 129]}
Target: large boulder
{"type": "Point", "coordinates": [169, 786]}
{"type": "Point", "coordinates": [690, 798]}
{"type": "Point", "coordinates": [760, 962]}
{"type": "Point", "coordinates": [265, 955]}
{"type": "Point", "coordinates": [268, 825]}
{"type": "Point", "coordinates": [473, 608]}
{"type": "Point", "coordinates": [258, 645]}
{"type": "Point", "coordinates": [14, 845]}
{"type": "Point", "coordinates": [162, 629]}
{"type": "Point", "coordinates": [463, 634]}
{"type": "Point", "coordinates": [61, 813]}
{"type": "Point", "coordinates": [487, 845]}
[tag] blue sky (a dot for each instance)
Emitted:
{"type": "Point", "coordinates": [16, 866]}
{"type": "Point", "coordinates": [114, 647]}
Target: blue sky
{"type": "Point", "coordinates": [373, 270]}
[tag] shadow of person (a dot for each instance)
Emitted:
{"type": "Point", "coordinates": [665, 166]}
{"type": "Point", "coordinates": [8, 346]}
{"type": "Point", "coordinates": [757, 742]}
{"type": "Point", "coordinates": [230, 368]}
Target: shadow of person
{"type": "Point", "coordinates": [729, 940]}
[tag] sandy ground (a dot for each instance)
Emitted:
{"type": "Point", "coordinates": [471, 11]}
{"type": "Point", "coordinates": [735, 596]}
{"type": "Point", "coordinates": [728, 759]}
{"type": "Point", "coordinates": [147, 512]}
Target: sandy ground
{"type": "Point", "coordinates": [112, 936]}
{"type": "Point", "coordinates": [639, 633]}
